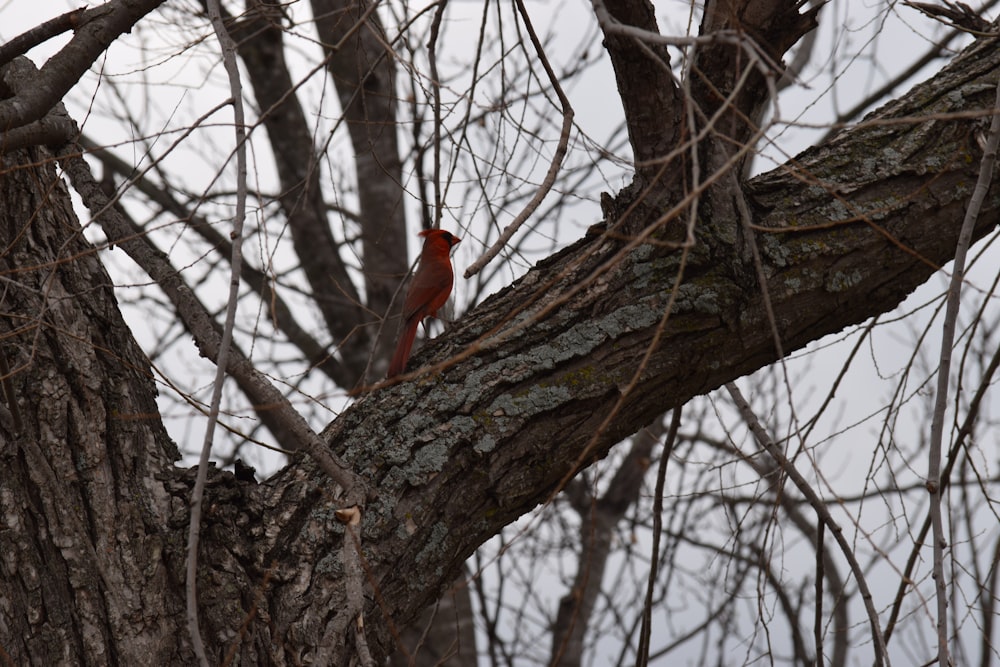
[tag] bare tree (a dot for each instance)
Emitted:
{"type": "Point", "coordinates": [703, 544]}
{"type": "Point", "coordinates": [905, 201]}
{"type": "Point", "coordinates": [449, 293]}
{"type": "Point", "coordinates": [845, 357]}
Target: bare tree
{"type": "Point", "coordinates": [689, 532]}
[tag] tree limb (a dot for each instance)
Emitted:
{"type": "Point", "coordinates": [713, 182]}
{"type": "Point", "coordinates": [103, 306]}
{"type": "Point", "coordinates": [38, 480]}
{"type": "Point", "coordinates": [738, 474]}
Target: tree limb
{"type": "Point", "coordinates": [95, 30]}
{"type": "Point", "coordinates": [523, 381]}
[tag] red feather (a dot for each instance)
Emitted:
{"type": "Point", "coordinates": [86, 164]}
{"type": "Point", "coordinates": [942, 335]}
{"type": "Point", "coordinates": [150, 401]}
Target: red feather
{"type": "Point", "coordinates": [428, 292]}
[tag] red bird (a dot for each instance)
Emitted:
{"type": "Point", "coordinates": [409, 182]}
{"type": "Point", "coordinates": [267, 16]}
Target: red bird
{"type": "Point", "coordinates": [429, 291]}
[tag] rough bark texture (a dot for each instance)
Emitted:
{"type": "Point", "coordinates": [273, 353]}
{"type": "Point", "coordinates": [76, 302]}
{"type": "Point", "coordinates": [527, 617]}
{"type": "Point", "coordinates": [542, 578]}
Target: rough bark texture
{"type": "Point", "coordinates": [649, 93]}
{"type": "Point", "coordinates": [726, 69]}
{"type": "Point", "coordinates": [81, 448]}
{"type": "Point", "coordinates": [539, 380]}
{"type": "Point", "coordinates": [444, 634]}
{"type": "Point", "coordinates": [459, 454]}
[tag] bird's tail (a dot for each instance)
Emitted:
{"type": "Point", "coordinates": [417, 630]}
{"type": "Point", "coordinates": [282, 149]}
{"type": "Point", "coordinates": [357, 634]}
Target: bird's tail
{"type": "Point", "coordinates": [403, 347]}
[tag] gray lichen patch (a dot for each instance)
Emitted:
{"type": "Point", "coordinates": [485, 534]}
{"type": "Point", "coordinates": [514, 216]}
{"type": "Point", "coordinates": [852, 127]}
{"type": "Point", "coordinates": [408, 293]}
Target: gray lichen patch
{"type": "Point", "coordinates": [842, 281]}
{"type": "Point", "coordinates": [426, 461]}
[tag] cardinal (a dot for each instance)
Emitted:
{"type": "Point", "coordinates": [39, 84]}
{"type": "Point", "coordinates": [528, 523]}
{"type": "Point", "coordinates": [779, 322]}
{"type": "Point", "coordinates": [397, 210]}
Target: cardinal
{"type": "Point", "coordinates": [429, 291]}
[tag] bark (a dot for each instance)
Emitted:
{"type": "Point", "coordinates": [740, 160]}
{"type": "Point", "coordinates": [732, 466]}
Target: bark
{"type": "Point", "coordinates": [725, 70]}
{"type": "Point", "coordinates": [81, 446]}
{"type": "Point", "coordinates": [533, 383]}
{"type": "Point", "coordinates": [444, 634]}
{"type": "Point", "coordinates": [539, 380]}
{"type": "Point", "coordinates": [650, 96]}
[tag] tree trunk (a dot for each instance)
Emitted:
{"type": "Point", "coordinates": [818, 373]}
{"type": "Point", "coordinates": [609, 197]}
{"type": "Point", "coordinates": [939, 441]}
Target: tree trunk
{"type": "Point", "coordinates": [83, 450]}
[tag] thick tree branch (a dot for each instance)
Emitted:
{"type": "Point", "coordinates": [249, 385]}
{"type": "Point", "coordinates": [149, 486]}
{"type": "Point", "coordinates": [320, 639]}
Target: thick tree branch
{"type": "Point", "coordinates": [520, 390]}
{"type": "Point", "coordinates": [83, 511]}
{"type": "Point", "coordinates": [654, 111]}
{"type": "Point", "coordinates": [96, 29]}
{"type": "Point", "coordinates": [41, 33]}
{"type": "Point", "coordinates": [845, 231]}
{"type": "Point", "coordinates": [773, 26]}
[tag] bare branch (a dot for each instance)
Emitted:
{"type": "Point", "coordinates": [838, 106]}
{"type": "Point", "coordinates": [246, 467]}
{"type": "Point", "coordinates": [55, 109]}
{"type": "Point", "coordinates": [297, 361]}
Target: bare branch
{"type": "Point", "coordinates": [260, 42]}
{"type": "Point", "coordinates": [313, 351]}
{"type": "Point", "coordinates": [765, 440]}
{"type": "Point", "coordinates": [654, 561]}
{"type": "Point", "coordinates": [362, 65]}
{"type": "Point", "coordinates": [554, 165]}
{"type": "Point", "coordinates": [944, 377]}
{"type": "Point", "coordinates": [228, 49]}
{"type": "Point", "coordinates": [96, 29]}
{"type": "Point", "coordinates": [202, 328]}
{"type": "Point", "coordinates": [40, 33]}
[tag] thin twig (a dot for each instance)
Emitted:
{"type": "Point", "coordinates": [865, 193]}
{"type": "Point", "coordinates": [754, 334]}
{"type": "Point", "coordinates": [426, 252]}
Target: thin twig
{"type": "Point", "coordinates": [554, 166]}
{"type": "Point", "coordinates": [642, 659]}
{"type": "Point", "coordinates": [199, 322]}
{"type": "Point", "coordinates": [944, 375]}
{"type": "Point", "coordinates": [876, 96]}
{"type": "Point", "coordinates": [765, 440]}
{"type": "Point", "coordinates": [968, 424]}
{"type": "Point", "coordinates": [228, 47]}
{"type": "Point", "coordinates": [820, 576]}
{"type": "Point", "coordinates": [436, 107]}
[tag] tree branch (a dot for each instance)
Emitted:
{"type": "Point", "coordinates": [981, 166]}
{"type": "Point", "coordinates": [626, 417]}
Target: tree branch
{"type": "Point", "coordinates": [39, 34]}
{"type": "Point", "coordinates": [95, 30]}
{"type": "Point", "coordinates": [654, 110]}
{"type": "Point", "coordinates": [773, 26]}
{"type": "Point", "coordinates": [765, 440]}
{"type": "Point", "coordinates": [362, 65]}
{"type": "Point", "coordinates": [260, 43]}
{"type": "Point", "coordinates": [313, 351]}
{"type": "Point", "coordinates": [228, 49]}
{"type": "Point", "coordinates": [524, 381]}
{"type": "Point", "coordinates": [944, 376]}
